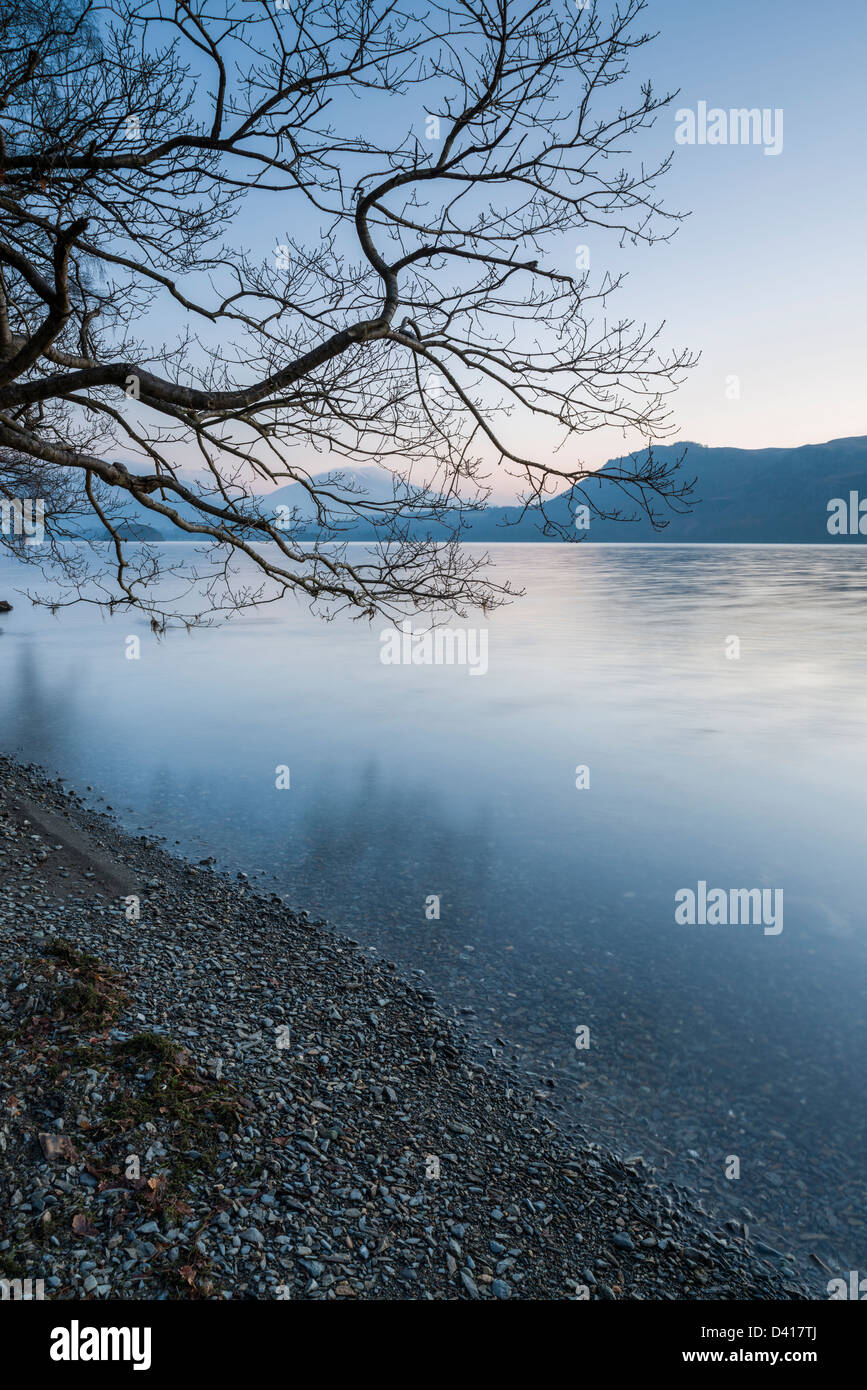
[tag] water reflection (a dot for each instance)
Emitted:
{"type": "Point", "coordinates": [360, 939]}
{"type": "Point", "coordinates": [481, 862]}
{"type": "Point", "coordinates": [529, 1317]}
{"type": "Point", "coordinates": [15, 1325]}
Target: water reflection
{"type": "Point", "coordinates": [556, 904]}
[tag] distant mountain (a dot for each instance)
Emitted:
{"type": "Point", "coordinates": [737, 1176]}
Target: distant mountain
{"type": "Point", "coordinates": [368, 484]}
{"type": "Point", "coordinates": [742, 496]}
{"type": "Point", "coordinates": [290, 505]}
{"type": "Point", "coordinates": [127, 530]}
{"type": "Point", "coordinates": [752, 496]}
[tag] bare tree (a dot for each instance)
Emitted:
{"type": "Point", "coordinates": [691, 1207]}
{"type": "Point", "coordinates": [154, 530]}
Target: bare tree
{"type": "Point", "coordinates": [414, 170]}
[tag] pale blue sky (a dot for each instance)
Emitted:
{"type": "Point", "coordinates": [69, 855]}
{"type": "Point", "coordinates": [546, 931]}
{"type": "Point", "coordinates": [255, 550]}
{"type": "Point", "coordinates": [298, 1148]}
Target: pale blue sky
{"type": "Point", "coordinates": [765, 278]}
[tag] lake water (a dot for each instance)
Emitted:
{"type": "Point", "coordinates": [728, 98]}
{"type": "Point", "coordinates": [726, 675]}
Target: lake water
{"type": "Point", "coordinates": [557, 904]}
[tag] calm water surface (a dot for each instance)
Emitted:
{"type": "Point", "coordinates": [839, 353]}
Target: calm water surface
{"type": "Point", "coordinates": [557, 904]}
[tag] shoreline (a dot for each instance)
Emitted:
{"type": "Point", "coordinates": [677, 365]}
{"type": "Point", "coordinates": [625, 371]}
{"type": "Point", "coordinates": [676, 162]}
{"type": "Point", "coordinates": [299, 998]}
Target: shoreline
{"type": "Point", "coordinates": [224, 1099]}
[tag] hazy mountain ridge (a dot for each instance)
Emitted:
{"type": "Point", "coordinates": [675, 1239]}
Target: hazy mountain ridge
{"type": "Point", "coordinates": [746, 496]}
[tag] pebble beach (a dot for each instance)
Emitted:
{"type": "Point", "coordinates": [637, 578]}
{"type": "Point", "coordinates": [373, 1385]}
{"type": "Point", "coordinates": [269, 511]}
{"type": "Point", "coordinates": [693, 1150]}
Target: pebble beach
{"type": "Point", "coordinates": [206, 1095]}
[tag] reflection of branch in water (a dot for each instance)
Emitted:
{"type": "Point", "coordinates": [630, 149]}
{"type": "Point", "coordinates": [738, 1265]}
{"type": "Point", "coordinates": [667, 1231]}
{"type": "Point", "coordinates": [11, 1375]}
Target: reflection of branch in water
{"type": "Point", "coordinates": [42, 712]}
{"type": "Point", "coordinates": [414, 836]}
